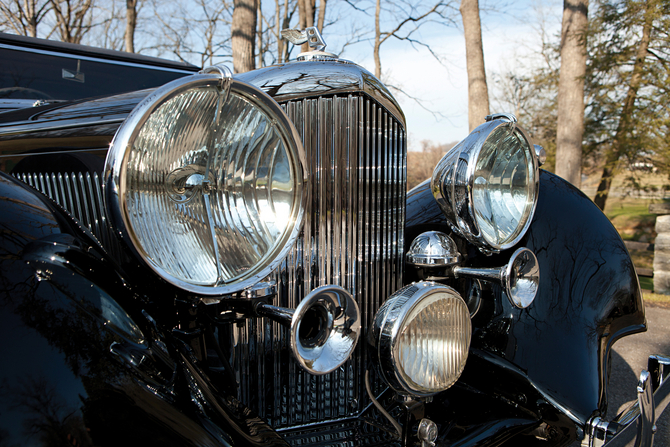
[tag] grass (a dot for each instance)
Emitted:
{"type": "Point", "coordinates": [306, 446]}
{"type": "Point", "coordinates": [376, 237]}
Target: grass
{"type": "Point", "coordinates": [633, 221]}
{"type": "Point", "coordinates": [643, 259]}
{"type": "Point", "coordinates": [631, 218]}
{"type": "Point", "coordinates": [628, 210]}
{"type": "Point", "coordinates": [647, 283]}
{"type": "Point", "coordinates": [656, 299]}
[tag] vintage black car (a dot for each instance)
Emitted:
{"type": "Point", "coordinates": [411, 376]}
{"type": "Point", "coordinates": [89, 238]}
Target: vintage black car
{"type": "Point", "coordinates": [235, 260]}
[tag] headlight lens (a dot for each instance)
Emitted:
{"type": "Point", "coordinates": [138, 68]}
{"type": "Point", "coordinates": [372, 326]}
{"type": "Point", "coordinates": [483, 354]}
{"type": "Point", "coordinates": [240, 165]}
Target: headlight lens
{"type": "Point", "coordinates": [205, 178]}
{"type": "Point", "coordinates": [422, 335]}
{"type": "Point", "coordinates": [487, 185]}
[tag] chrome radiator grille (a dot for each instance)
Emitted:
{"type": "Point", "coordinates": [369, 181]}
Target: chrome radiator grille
{"type": "Point", "coordinates": [80, 194]}
{"type": "Point", "coordinates": [352, 237]}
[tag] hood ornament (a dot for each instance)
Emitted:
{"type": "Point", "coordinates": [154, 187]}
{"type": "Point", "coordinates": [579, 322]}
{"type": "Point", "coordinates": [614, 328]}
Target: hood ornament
{"type": "Point", "coordinates": [312, 36]}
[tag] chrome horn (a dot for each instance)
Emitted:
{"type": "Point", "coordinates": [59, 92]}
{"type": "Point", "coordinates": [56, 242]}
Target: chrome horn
{"type": "Point", "coordinates": [520, 277]}
{"type": "Point", "coordinates": [324, 328]}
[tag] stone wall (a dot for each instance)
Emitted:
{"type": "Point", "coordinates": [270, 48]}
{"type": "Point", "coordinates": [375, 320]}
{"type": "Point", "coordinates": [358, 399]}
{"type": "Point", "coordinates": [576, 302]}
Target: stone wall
{"type": "Point", "coordinates": [662, 248]}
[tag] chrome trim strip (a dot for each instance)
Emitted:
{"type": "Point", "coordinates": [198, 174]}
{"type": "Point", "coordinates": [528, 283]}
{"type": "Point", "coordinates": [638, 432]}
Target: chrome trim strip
{"type": "Point", "coordinates": [53, 152]}
{"type": "Point", "coordinates": [33, 127]}
{"type": "Point", "coordinates": [93, 59]}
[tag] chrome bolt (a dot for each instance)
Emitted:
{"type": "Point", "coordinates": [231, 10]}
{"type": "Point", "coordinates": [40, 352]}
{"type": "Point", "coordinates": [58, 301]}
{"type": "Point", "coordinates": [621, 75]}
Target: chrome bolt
{"type": "Point", "coordinates": [427, 432]}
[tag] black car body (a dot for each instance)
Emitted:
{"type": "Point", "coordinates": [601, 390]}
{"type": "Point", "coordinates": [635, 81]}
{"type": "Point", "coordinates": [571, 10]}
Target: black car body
{"type": "Point", "coordinates": [110, 337]}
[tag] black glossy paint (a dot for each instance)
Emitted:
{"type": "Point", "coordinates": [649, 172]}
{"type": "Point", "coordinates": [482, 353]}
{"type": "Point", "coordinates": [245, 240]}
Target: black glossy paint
{"type": "Point", "coordinates": [83, 363]}
{"type": "Point", "coordinates": [551, 358]}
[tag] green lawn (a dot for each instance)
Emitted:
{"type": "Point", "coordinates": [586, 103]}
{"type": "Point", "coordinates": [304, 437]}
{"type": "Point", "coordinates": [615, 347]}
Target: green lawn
{"type": "Point", "coordinates": [632, 219]}
{"type": "Point", "coordinates": [628, 210]}
{"type": "Point", "coordinates": [656, 299]}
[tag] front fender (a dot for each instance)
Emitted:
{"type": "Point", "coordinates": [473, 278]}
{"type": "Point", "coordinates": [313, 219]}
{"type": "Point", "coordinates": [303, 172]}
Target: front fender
{"type": "Point", "coordinates": [554, 353]}
{"type": "Point", "coordinates": [83, 363]}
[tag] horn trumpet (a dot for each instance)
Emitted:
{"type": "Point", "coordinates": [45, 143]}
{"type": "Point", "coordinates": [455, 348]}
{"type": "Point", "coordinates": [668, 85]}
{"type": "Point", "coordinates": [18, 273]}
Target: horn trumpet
{"type": "Point", "coordinates": [520, 277]}
{"type": "Point", "coordinates": [324, 328]}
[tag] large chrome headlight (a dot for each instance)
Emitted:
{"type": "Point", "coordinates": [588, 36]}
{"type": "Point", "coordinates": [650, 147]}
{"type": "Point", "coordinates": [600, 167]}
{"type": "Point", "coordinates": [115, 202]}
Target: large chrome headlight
{"type": "Point", "coordinates": [422, 336]}
{"type": "Point", "coordinates": [487, 185]}
{"type": "Point", "coordinates": [205, 179]}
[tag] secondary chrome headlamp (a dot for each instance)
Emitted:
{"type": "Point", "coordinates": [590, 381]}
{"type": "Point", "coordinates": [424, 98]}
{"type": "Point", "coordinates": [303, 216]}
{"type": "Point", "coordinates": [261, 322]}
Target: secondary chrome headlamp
{"type": "Point", "coordinates": [487, 185]}
{"type": "Point", "coordinates": [205, 180]}
{"type": "Point", "coordinates": [422, 336]}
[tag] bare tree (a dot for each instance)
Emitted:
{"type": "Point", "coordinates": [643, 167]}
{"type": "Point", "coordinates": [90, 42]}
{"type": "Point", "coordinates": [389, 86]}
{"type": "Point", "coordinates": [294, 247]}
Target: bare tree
{"type": "Point", "coordinates": [196, 32]}
{"type": "Point", "coordinates": [283, 21]}
{"type": "Point", "coordinates": [570, 122]}
{"type": "Point", "coordinates": [306, 10]}
{"type": "Point", "coordinates": [73, 18]}
{"type": "Point", "coordinates": [131, 24]}
{"type": "Point", "coordinates": [407, 16]}
{"type": "Point", "coordinates": [23, 16]}
{"type": "Point", "coordinates": [478, 93]}
{"type": "Point", "coordinates": [244, 35]}
{"type": "Point", "coordinates": [109, 33]}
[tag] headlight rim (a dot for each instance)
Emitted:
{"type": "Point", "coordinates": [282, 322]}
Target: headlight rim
{"type": "Point", "coordinates": [463, 219]}
{"type": "Point", "coordinates": [115, 176]}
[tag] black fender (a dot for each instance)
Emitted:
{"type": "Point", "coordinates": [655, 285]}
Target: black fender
{"type": "Point", "coordinates": [549, 361]}
{"type": "Point", "coordinates": [83, 362]}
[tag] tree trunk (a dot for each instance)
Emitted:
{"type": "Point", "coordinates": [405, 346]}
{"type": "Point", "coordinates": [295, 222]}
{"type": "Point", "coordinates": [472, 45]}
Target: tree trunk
{"type": "Point", "coordinates": [478, 94]}
{"type": "Point", "coordinates": [377, 44]}
{"type": "Point", "coordinates": [570, 122]}
{"type": "Point", "coordinates": [244, 35]}
{"type": "Point", "coordinates": [306, 18]}
{"type": "Point", "coordinates": [309, 12]}
{"type": "Point", "coordinates": [278, 32]}
{"type": "Point", "coordinates": [623, 128]}
{"type": "Point", "coordinates": [322, 15]}
{"type": "Point", "coordinates": [260, 35]}
{"type": "Point", "coordinates": [31, 18]}
{"type": "Point", "coordinates": [131, 23]}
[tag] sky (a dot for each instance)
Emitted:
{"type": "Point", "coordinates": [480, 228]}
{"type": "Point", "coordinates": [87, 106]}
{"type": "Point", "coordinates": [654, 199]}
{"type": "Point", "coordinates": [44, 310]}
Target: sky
{"type": "Point", "coordinates": [510, 40]}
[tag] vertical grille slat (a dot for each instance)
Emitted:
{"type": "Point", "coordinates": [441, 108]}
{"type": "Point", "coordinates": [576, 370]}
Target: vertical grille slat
{"type": "Point", "coordinates": [352, 236]}
{"type": "Point", "coordinates": [80, 194]}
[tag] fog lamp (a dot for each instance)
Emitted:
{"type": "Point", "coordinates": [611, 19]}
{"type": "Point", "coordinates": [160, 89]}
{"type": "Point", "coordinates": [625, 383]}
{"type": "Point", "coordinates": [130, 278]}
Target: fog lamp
{"type": "Point", "coordinates": [422, 336]}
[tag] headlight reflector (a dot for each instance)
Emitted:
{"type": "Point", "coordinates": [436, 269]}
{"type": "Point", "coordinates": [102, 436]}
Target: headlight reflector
{"type": "Point", "coordinates": [205, 179]}
{"type": "Point", "coordinates": [487, 185]}
{"type": "Point", "coordinates": [422, 336]}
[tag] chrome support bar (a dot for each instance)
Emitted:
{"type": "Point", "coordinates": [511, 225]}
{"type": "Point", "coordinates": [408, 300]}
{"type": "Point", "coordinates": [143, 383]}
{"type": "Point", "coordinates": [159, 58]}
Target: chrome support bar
{"type": "Point", "coordinates": [281, 315]}
{"type": "Point", "coordinates": [637, 422]}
